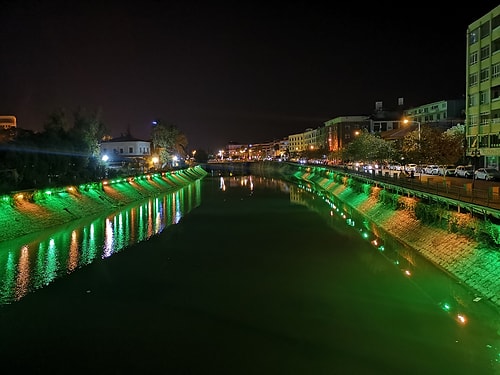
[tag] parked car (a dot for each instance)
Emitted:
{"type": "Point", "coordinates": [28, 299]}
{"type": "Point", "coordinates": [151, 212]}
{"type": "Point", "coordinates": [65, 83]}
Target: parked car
{"type": "Point", "coordinates": [395, 166]}
{"type": "Point", "coordinates": [488, 174]}
{"type": "Point", "coordinates": [446, 170]}
{"type": "Point", "coordinates": [466, 171]}
{"type": "Point", "coordinates": [431, 169]}
{"type": "Point", "coordinates": [410, 168]}
{"type": "Point", "coordinates": [421, 168]}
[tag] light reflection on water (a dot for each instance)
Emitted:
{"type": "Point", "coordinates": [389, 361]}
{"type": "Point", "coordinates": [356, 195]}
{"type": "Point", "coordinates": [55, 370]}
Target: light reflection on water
{"type": "Point", "coordinates": [424, 301]}
{"type": "Point", "coordinates": [29, 264]}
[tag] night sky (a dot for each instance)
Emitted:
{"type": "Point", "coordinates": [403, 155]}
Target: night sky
{"type": "Point", "coordinates": [238, 71]}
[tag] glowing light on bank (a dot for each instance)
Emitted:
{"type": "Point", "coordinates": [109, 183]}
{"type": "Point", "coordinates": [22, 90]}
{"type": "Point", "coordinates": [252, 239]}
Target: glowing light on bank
{"type": "Point", "coordinates": [461, 319]}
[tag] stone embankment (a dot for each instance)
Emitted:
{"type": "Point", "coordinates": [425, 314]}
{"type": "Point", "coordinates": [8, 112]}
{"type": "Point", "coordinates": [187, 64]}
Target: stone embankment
{"type": "Point", "coordinates": [470, 262]}
{"type": "Point", "coordinates": [33, 211]}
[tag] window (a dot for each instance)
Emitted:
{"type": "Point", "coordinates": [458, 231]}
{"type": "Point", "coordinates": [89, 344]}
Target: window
{"type": "Point", "coordinates": [473, 58]}
{"type": "Point", "coordinates": [494, 140]}
{"type": "Point", "coordinates": [495, 93]}
{"type": "Point", "coordinates": [495, 22]}
{"type": "Point", "coordinates": [483, 141]}
{"type": "Point", "coordinates": [473, 36]}
{"type": "Point", "coordinates": [473, 79]}
{"type": "Point", "coordinates": [472, 100]}
{"type": "Point", "coordinates": [130, 150]}
{"type": "Point", "coordinates": [484, 118]}
{"type": "Point", "coordinates": [485, 52]}
{"type": "Point", "coordinates": [495, 46]}
{"type": "Point", "coordinates": [473, 120]}
{"type": "Point", "coordinates": [495, 70]}
{"type": "Point", "coordinates": [485, 74]}
{"type": "Point", "coordinates": [485, 29]}
{"type": "Point", "coordinates": [121, 150]}
{"type": "Point", "coordinates": [483, 97]}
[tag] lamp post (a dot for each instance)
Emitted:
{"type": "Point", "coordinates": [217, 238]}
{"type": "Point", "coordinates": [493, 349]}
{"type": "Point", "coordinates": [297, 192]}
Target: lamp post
{"type": "Point", "coordinates": [476, 153]}
{"type": "Point", "coordinates": [105, 159]}
{"type": "Point", "coordinates": [155, 161]}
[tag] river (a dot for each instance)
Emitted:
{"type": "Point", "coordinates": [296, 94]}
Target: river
{"type": "Point", "coordinates": [235, 275]}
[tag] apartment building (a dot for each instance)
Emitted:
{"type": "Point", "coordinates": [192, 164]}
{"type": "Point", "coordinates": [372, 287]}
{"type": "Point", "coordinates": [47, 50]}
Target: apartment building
{"type": "Point", "coordinates": [443, 114]}
{"type": "Point", "coordinates": [482, 128]}
{"type": "Point", "coordinates": [296, 143]}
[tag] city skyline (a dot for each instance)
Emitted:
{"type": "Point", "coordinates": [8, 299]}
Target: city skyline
{"type": "Point", "coordinates": [249, 75]}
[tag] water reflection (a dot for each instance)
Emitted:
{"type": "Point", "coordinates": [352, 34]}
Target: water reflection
{"type": "Point", "coordinates": [31, 263]}
{"type": "Point", "coordinates": [338, 298]}
{"type": "Point", "coordinates": [443, 291]}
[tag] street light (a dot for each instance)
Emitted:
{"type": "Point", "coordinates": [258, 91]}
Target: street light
{"type": "Point", "coordinates": [476, 153]}
{"type": "Point", "coordinates": [155, 161]}
{"type": "Point", "coordinates": [105, 159]}
{"type": "Point", "coordinates": [406, 121]}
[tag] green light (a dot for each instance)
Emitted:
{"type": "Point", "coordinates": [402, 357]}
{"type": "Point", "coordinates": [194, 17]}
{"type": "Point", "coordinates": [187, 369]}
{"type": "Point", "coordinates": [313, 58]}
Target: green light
{"type": "Point", "coordinates": [446, 306]}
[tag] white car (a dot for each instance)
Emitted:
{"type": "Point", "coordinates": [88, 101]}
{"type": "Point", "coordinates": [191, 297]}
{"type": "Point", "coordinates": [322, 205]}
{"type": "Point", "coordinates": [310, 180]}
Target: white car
{"type": "Point", "coordinates": [488, 174]}
{"type": "Point", "coordinates": [395, 167]}
{"type": "Point", "coordinates": [410, 167]}
{"type": "Point", "coordinates": [466, 171]}
{"type": "Point", "coordinates": [432, 169]}
{"type": "Point", "coordinates": [447, 170]}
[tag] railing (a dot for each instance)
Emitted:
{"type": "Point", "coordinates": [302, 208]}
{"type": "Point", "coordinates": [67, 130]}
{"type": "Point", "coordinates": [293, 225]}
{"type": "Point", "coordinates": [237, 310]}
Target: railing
{"type": "Point", "coordinates": [476, 199]}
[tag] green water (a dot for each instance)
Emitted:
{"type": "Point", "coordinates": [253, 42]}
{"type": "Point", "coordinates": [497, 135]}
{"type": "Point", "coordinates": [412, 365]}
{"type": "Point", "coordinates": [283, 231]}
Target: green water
{"type": "Point", "coordinates": [236, 275]}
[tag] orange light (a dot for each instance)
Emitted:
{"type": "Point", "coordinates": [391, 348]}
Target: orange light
{"type": "Point", "coordinates": [461, 319]}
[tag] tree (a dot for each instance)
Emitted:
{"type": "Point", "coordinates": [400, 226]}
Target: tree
{"type": "Point", "coordinates": [57, 122]}
{"type": "Point", "coordinates": [168, 141]}
{"type": "Point", "coordinates": [201, 156]}
{"type": "Point", "coordinates": [435, 147]}
{"type": "Point", "coordinates": [368, 147]}
{"type": "Point", "coordinates": [88, 129]}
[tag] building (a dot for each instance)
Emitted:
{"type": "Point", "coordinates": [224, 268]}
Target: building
{"type": "Point", "coordinates": [383, 119]}
{"type": "Point", "coordinates": [342, 130]}
{"type": "Point", "coordinates": [482, 127]}
{"type": "Point", "coordinates": [126, 152]}
{"type": "Point", "coordinates": [442, 115]}
{"type": "Point", "coordinates": [296, 143]}
{"type": "Point", "coordinates": [7, 122]}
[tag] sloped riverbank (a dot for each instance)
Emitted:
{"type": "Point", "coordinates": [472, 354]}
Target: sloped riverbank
{"type": "Point", "coordinates": [28, 212]}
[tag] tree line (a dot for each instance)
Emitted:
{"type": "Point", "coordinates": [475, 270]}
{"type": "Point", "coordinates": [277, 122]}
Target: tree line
{"type": "Point", "coordinates": [67, 151]}
{"type": "Point", "coordinates": [429, 146]}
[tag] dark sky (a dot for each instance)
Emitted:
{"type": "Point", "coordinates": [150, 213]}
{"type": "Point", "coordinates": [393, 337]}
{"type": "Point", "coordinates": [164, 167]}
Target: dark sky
{"type": "Point", "coordinates": [239, 71]}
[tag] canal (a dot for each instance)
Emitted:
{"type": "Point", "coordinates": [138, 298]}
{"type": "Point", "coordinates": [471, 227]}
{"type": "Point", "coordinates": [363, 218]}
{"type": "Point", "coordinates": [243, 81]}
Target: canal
{"type": "Point", "coordinates": [235, 275]}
